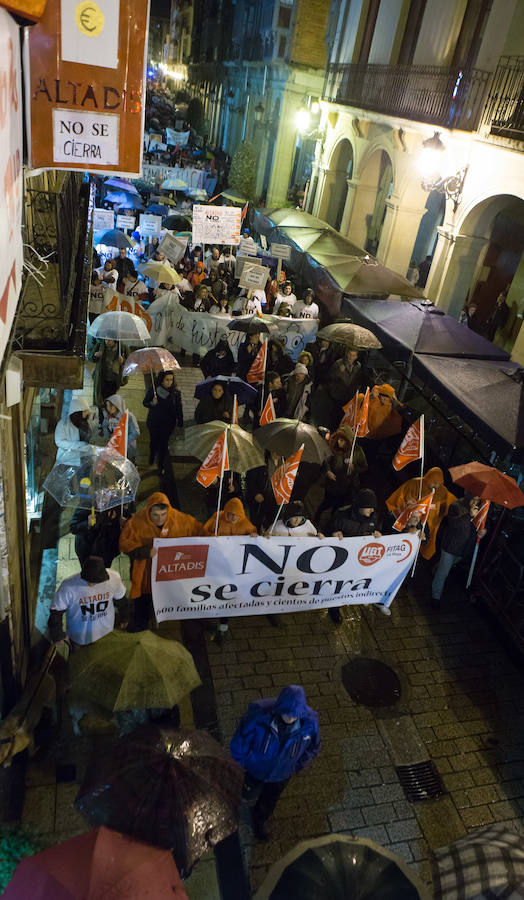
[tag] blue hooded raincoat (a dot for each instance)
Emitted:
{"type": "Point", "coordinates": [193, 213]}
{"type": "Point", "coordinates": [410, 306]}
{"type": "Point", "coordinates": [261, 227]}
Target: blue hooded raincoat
{"type": "Point", "coordinates": [256, 744]}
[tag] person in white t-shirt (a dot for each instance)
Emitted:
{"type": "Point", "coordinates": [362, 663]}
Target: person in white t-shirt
{"type": "Point", "coordinates": [249, 305]}
{"type": "Point", "coordinates": [135, 287]}
{"type": "Point", "coordinates": [108, 274]}
{"type": "Point", "coordinates": [213, 261]}
{"type": "Point", "coordinates": [293, 522]}
{"type": "Point", "coordinates": [306, 308]}
{"type": "Point", "coordinates": [285, 295]}
{"type": "Point", "coordinates": [88, 602]}
{"type": "Point", "coordinates": [96, 296]}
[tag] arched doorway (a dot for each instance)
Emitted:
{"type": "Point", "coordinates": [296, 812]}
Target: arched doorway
{"type": "Point", "coordinates": [336, 184]}
{"type": "Point", "coordinates": [375, 185]}
{"type": "Point", "coordinates": [426, 239]}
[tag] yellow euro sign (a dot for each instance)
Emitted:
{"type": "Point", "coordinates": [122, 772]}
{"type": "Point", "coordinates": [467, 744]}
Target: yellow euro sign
{"type": "Point", "coordinates": [89, 18]}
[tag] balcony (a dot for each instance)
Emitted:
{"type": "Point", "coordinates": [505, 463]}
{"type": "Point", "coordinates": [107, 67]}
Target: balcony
{"type": "Point", "coordinates": [440, 96]}
{"type": "Point", "coordinates": [504, 110]}
{"type": "Point", "coordinates": [52, 311]}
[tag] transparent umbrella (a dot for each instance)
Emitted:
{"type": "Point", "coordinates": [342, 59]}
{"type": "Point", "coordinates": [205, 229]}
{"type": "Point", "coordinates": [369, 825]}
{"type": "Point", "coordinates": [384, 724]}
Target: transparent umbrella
{"type": "Point", "coordinates": [93, 478]}
{"type": "Point", "coordinates": [119, 326]}
{"type": "Point", "coordinates": [150, 359]}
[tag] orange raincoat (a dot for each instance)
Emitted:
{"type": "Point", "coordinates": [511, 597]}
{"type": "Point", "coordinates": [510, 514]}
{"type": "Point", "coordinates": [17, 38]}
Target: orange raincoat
{"type": "Point", "coordinates": [383, 419]}
{"type": "Point", "coordinates": [442, 499]}
{"type": "Point", "coordinates": [243, 526]}
{"type": "Point", "coordinates": [140, 531]}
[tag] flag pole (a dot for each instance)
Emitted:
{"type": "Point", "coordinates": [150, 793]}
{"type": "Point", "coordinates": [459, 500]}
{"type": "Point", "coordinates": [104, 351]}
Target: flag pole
{"type": "Point", "coordinates": [126, 435]}
{"type": "Point", "coordinates": [224, 451]}
{"type": "Point", "coordinates": [279, 510]}
{"type": "Point", "coordinates": [420, 539]}
{"type": "Point", "coordinates": [422, 436]}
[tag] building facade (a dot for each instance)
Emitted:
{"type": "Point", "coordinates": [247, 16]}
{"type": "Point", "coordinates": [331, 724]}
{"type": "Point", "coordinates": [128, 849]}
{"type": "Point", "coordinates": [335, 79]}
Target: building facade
{"type": "Point", "coordinates": [439, 82]}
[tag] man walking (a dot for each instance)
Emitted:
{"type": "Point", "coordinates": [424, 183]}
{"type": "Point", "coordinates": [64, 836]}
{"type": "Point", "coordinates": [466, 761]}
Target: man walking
{"type": "Point", "coordinates": [276, 738]}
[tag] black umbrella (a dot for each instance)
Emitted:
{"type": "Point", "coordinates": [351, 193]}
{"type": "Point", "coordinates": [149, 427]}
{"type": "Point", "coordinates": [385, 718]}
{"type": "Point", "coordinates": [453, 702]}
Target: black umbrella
{"type": "Point", "coordinates": [249, 325]}
{"type": "Point", "coordinates": [340, 868]}
{"type": "Point", "coordinates": [284, 436]}
{"type": "Point", "coordinates": [177, 223]}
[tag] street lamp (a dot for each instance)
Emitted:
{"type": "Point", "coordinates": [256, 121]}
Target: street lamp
{"type": "Point", "coordinates": [434, 163]}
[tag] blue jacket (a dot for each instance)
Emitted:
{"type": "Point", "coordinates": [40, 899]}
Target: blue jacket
{"type": "Point", "coordinates": [256, 744]}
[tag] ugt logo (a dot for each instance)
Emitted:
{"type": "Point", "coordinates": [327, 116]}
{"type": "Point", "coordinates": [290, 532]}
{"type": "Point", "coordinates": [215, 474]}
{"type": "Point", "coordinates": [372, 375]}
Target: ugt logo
{"type": "Point", "coordinates": [371, 554]}
{"type": "Point", "coordinates": [181, 562]}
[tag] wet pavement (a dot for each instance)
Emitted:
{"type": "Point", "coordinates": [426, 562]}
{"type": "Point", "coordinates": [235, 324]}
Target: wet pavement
{"type": "Point", "coordinates": [461, 706]}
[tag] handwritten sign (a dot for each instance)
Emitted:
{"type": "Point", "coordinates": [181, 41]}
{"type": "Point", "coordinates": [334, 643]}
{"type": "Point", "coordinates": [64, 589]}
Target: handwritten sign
{"type": "Point", "coordinates": [150, 225]}
{"type": "Point", "coordinates": [280, 251]}
{"type": "Point", "coordinates": [254, 277]}
{"type": "Point", "coordinates": [174, 248]}
{"type": "Point", "coordinates": [126, 222]}
{"type": "Point", "coordinates": [247, 246]}
{"type": "Point", "coordinates": [103, 219]}
{"type": "Point", "coordinates": [243, 261]}
{"type": "Point", "coordinates": [216, 224]}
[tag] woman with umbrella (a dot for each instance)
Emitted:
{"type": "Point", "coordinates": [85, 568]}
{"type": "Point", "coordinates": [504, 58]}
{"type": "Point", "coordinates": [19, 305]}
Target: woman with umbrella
{"type": "Point", "coordinates": [457, 542]}
{"type": "Point", "coordinates": [164, 402]}
{"type": "Point", "coordinates": [219, 360]}
{"type": "Point", "coordinates": [107, 376]}
{"type": "Point", "coordinates": [216, 405]}
{"type": "Point", "coordinates": [98, 535]}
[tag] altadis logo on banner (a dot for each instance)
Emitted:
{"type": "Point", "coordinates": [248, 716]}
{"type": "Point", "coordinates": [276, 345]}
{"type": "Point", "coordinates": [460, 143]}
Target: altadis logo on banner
{"type": "Point", "coordinates": [235, 576]}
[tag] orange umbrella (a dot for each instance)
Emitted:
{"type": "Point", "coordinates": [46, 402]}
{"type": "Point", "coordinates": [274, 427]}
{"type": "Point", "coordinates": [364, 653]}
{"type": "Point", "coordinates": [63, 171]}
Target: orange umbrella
{"type": "Point", "coordinates": [489, 484]}
{"type": "Point", "coordinates": [97, 865]}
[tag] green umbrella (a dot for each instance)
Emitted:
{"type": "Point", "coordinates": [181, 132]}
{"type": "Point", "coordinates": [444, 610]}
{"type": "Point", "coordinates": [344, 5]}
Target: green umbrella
{"type": "Point", "coordinates": [244, 454]}
{"type": "Point", "coordinates": [321, 241]}
{"type": "Point", "coordinates": [235, 198]}
{"type": "Point", "coordinates": [128, 671]}
{"type": "Point", "coordinates": [364, 275]}
{"type": "Point", "coordinates": [350, 335]}
{"type": "Point", "coordinates": [296, 218]}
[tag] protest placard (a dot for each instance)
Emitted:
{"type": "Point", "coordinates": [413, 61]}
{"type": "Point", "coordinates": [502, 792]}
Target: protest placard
{"type": "Point", "coordinates": [173, 247]}
{"type": "Point", "coordinates": [150, 225]}
{"type": "Point", "coordinates": [254, 277]}
{"type": "Point", "coordinates": [216, 224]}
{"type": "Point", "coordinates": [280, 251]}
{"type": "Point", "coordinates": [103, 219]}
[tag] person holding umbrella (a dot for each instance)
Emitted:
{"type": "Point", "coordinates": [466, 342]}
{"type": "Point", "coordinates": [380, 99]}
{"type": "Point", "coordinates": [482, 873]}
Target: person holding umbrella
{"type": "Point", "coordinates": [216, 405]}
{"type": "Point", "coordinates": [97, 535]}
{"type": "Point", "coordinates": [108, 377]}
{"type": "Point", "coordinates": [276, 739]}
{"type": "Point", "coordinates": [342, 476]}
{"type": "Point", "coordinates": [164, 402]}
{"type": "Point", "coordinates": [158, 519]}
{"type": "Point", "coordinates": [458, 538]}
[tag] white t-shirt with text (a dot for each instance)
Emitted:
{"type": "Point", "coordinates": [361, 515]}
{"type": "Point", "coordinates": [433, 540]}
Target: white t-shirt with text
{"type": "Point", "coordinates": [89, 609]}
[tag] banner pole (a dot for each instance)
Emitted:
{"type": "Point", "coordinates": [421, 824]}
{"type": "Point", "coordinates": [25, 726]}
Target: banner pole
{"type": "Point", "coordinates": [224, 451]}
{"type": "Point", "coordinates": [419, 539]}
{"type": "Point", "coordinates": [263, 381]}
{"type": "Point", "coordinates": [422, 441]}
{"type": "Point", "coordinates": [279, 510]}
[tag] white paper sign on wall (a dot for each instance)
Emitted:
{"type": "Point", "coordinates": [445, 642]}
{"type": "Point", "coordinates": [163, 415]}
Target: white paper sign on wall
{"type": "Point", "coordinates": [84, 136]}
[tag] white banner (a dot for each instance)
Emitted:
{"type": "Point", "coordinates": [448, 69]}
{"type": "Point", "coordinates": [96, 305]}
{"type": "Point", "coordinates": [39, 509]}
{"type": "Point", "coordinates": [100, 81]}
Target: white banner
{"type": "Point", "coordinates": [200, 578]}
{"type": "Point", "coordinates": [216, 224]}
{"type": "Point", "coordinates": [177, 138]}
{"type": "Point", "coordinates": [193, 178]}
{"type": "Point", "coordinates": [11, 168]}
{"type": "Point", "coordinates": [197, 332]}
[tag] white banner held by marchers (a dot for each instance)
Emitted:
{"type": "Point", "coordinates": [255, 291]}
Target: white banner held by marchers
{"type": "Point", "coordinates": [254, 277]}
{"type": "Point", "coordinates": [216, 224]}
{"type": "Point", "coordinates": [179, 328]}
{"type": "Point", "coordinates": [200, 578]}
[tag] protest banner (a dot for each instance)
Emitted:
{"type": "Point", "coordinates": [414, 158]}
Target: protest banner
{"type": "Point", "coordinates": [172, 247]}
{"type": "Point", "coordinates": [175, 327]}
{"type": "Point", "coordinates": [199, 578]}
{"type": "Point", "coordinates": [103, 219]}
{"type": "Point", "coordinates": [177, 138]}
{"type": "Point", "coordinates": [123, 303]}
{"type": "Point", "coordinates": [193, 178]}
{"type": "Point", "coordinates": [254, 277]}
{"type": "Point", "coordinates": [216, 224]}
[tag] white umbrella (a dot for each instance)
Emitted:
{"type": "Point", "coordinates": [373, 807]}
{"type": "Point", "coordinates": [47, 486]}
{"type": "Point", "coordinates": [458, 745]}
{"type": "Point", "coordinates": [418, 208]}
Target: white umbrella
{"type": "Point", "coordinates": [119, 326]}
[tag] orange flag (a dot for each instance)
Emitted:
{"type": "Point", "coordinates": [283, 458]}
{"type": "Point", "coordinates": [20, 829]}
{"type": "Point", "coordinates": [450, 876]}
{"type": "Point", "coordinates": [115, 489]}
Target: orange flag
{"type": "Point", "coordinates": [118, 440]}
{"type": "Point", "coordinates": [362, 420]}
{"type": "Point", "coordinates": [257, 371]}
{"type": "Point", "coordinates": [412, 446]}
{"type": "Point", "coordinates": [350, 413]}
{"type": "Point", "coordinates": [234, 417]}
{"type": "Point", "coordinates": [283, 478]}
{"type": "Point", "coordinates": [215, 463]}
{"type": "Point", "coordinates": [268, 413]}
{"type": "Point", "coordinates": [421, 507]}
{"type": "Point", "coordinates": [480, 519]}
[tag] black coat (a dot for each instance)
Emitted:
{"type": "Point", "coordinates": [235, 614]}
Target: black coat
{"type": "Point", "coordinates": [457, 532]}
{"type": "Point", "coordinates": [348, 520]}
{"type": "Point", "coordinates": [100, 539]}
{"type": "Point", "coordinates": [210, 410]}
{"type": "Point", "coordinates": [212, 366]}
{"type": "Point", "coordinates": [165, 415]}
{"type": "Point", "coordinates": [246, 357]}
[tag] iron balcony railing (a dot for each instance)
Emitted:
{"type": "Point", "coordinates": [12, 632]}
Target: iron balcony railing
{"type": "Point", "coordinates": [452, 98]}
{"type": "Point", "coordinates": [504, 110]}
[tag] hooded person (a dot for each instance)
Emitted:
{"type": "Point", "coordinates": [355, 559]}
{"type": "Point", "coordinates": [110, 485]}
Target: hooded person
{"type": "Point", "coordinates": [411, 490]}
{"type": "Point", "coordinates": [342, 477]}
{"type": "Point", "coordinates": [197, 275]}
{"type": "Point", "coordinates": [219, 360]}
{"type": "Point", "coordinates": [298, 388]}
{"type": "Point", "coordinates": [215, 406]}
{"type": "Point", "coordinates": [73, 432]}
{"type": "Point", "coordinates": [232, 520]}
{"type": "Point", "coordinates": [158, 519]}
{"type": "Point", "coordinates": [337, 387]}
{"type": "Point", "coordinates": [276, 739]}
{"type": "Point", "coordinates": [384, 419]}
{"type": "Point", "coordinates": [293, 522]}
{"type": "Point", "coordinates": [277, 358]}
{"type": "Point", "coordinates": [114, 409]}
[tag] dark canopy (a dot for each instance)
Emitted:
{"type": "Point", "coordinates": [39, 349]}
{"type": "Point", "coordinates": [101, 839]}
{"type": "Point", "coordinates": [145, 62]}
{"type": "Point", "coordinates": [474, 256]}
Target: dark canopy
{"type": "Point", "coordinates": [408, 328]}
{"type": "Point", "coordinates": [484, 394]}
